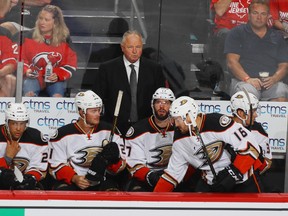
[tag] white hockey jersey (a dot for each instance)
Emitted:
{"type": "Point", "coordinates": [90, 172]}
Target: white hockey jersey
{"type": "Point", "coordinates": [216, 130]}
{"type": "Point", "coordinates": [32, 157]}
{"type": "Point", "coordinates": [148, 147]}
{"type": "Point", "coordinates": [72, 151]}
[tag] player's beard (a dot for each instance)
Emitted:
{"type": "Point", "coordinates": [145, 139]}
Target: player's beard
{"type": "Point", "coordinates": [161, 117]}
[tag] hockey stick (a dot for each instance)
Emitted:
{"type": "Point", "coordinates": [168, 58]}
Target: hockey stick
{"type": "Point", "coordinates": [116, 113]}
{"type": "Point", "coordinates": [204, 148]}
{"type": "Point", "coordinates": [250, 108]}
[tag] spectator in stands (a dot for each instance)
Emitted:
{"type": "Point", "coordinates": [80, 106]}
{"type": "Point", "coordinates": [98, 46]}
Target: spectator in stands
{"type": "Point", "coordinates": [149, 143]}
{"type": "Point", "coordinates": [254, 48]}
{"type": "Point", "coordinates": [23, 147]}
{"type": "Point", "coordinates": [48, 45]}
{"type": "Point", "coordinates": [7, 56]}
{"type": "Point", "coordinates": [5, 8]}
{"type": "Point", "coordinates": [228, 14]}
{"type": "Point", "coordinates": [81, 152]}
{"type": "Point", "coordinates": [279, 12]}
{"type": "Point", "coordinates": [114, 75]}
{"type": "Point", "coordinates": [220, 172]}
{"type": "Point", "coordinates": [30, 11]}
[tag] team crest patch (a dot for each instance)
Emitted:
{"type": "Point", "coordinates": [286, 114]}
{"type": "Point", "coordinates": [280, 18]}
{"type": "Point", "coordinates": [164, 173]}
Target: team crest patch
{"type": "Point", "coordinates": [54, 134]}
{"type": "Point", "coordinates": [224, 121]}
{"type": "Point", "coordinates": [130, 132]}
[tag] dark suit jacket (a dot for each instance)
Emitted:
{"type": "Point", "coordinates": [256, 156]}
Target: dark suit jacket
{"type": "Point", "coordinates": [113, 77]}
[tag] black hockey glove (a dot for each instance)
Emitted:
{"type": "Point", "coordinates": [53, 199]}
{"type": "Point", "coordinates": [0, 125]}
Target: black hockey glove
{"type": "Point", "coordinates": [7, 178]}
{"type": "Point", "coordinates": [29, 183]}
{"type": "Point", "coordinates": [226, 179]}
{"type": "Point", "coordinates": [152, 177]}
{"type": "Point", "coordinates": [95, 174]}
{"type": "Point", "coordinates": [111, 153]}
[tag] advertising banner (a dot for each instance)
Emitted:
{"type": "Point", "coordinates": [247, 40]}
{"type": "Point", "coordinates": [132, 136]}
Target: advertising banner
{"type": "Point", "coordinates": [47, 114]}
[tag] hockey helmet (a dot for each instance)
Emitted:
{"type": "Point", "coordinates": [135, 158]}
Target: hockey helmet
{"type": "Point", "coordinates": [87, 99]}
{"type": "Point", "coordinates": [184, 106]}
{"type": "Point", "coordinates": [163, 93]}
{"type": "Point", "coordinates": [16, 112]}
{"type": "Point", "coordinates": [240, 101]}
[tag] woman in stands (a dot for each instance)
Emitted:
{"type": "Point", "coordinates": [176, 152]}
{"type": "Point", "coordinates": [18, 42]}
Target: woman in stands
{"type": "Point", "coordinates": [48, 48]}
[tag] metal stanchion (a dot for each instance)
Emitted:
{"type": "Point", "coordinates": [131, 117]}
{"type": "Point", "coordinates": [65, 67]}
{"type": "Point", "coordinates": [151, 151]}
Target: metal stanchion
{"type": "Point", "coordinates": [19, 80]}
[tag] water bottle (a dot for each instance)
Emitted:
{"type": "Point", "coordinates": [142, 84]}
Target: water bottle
{"type": "Point", "coordinates": [48, 71]}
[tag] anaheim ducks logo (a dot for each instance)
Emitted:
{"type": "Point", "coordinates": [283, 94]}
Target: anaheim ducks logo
{"type": "Point", "coordinates": [214, 150]}
{"type": "Point", "coordinates": [161, 156]}
{"type": "Point", "coordinates": [21, 163]}
{"type": "Point", "coordinates": [182, 102]}
{"type": "Point", "coordinates": [86, 156]}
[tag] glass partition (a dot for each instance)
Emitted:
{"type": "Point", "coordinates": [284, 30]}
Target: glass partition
{"type": "Point", "coordinates": [177, 34]}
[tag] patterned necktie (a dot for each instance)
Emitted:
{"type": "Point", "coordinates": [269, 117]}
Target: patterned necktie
{"type": "Point", "coordinates": [133, 87]}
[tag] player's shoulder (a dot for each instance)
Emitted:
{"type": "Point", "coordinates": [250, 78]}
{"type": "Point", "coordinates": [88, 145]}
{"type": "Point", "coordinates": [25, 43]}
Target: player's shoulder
{"type": "Point", "coordinates": [138, 128]}
{"type": "Point", "coordinates": [64, 131]}
{"type": "Point", "coordinates": [35, 136]}
{"type": "Point", "coordinates": [216, 122]}
{"type": "Point", "coordinates": [2, 136]}
{"type": "Point", "coordinates": [104, 125]}
{"type": "Point", "coordinates": [258, 127]}
{"type": "Point", "coordinates": [178, 135]}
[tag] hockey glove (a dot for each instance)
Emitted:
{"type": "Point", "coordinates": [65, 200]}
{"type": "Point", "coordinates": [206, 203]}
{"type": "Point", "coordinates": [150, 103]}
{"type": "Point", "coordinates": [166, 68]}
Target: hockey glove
{"type": "Point", "coordinates": [111, 153]}
{"type": "Point", "coordinates": [7, 178]}
{"type": "Point", "coordinates": [29, 183]}
{"type": "Point", "coordinates": [95, 174]}
{"type": "Point", "coordinates": [152, 177]}
{"type": "Point", "coordinates": [226, 179]}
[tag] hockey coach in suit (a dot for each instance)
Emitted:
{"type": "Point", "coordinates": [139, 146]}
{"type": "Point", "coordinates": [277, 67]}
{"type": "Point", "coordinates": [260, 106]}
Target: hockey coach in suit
{"type": "Point", "coordinates": [116, 74]}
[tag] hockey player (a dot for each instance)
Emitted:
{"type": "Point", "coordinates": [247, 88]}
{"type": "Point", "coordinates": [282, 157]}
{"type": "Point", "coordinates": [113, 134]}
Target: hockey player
{"type": "Point", "coordinates": [80, 156]}
{"type": "Point", "coordinates": [149, 143]}
{"type": "Point", "coordinates": [22, 147]}
{"type": "Point", "coordinates": [200, 141]}
{"type": "Point", "coordinates": [244, 111]}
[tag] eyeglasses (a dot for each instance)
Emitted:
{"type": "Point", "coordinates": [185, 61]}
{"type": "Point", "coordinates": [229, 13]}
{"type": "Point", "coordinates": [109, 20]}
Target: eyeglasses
{"type": "Point", "coordinates": [162, 102]}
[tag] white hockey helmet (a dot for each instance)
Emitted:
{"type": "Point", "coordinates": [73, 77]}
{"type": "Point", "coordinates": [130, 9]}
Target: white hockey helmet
{"type": "Point", "coordinates": [16, 112]}
{"type": "Point", "coordinates": [240, 101]}
{"type": "Point", "coordinates": [163, 93]}
{"type": "Point", "coordinates": [86, 100]}
{"type": "Point", "coordinates": [184, 106]}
